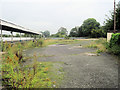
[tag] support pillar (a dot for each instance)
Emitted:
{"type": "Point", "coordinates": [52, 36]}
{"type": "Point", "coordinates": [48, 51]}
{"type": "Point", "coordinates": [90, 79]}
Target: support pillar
{"type": "Point", "coordinates": [33, 38]}
{"type": "Point", "coordinates": [39, 36]}
{"type": "Point", "coordinates": [26, 37]}
{"type": "Point", "coordinates": [1, 33]}
{"type": "Point", "coordinates": [20, 37]}
{"type": "Point", "coordinates": [29, 37]}
{"type": "Point", "coordinates": [11, 37]}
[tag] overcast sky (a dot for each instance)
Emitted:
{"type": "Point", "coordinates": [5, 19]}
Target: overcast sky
{"type": "Point", "coordinates": [41, 15]}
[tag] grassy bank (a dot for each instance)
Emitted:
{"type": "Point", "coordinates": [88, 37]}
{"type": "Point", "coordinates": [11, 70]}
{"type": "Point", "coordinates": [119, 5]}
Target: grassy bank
{"type": "Point", "coordinates": [17, 75]}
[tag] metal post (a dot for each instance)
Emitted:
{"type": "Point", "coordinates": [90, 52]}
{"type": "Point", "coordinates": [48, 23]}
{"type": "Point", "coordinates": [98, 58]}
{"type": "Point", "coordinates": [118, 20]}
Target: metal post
{"type": "Point", "coordinates": [20, 36]}
{"type": "Point", "coordinates": [114, 17]}
{"type": "Point", "coordinates": [39, 36]}
{"type": "Point", "coordinates": [11, 37]}
{"type": "Point", "coordinates": [29, 37]}
{"type": "Point", "coordinates": [34, 37]}
{"type": "Point", "coordinates": [26, 37]}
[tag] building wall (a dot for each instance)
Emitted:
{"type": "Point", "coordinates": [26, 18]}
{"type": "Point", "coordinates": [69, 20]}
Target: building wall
{"type": "Point", "coordinates": [109, 35]}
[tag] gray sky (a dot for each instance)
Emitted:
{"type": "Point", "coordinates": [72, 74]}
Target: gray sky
{"type": "Point", "coordinates": [41, 15]}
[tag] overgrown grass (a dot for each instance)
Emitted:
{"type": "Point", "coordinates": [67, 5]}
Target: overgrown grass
{"type": "Point", "coordinates": [61, 41]}
{"type": "Point", "coordinates": [17, 75]}
{"type": "Point", "coordinates": [100, 45]}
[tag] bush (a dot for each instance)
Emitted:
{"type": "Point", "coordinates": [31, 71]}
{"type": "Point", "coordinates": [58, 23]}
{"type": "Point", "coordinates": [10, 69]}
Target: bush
{"type": "Point", "coordinates": [114, 45]}
{"type": "Point", "coordinates": [66, 37]}
{"type": "Point", "coordinates": [40, 42]}
{"type": "Point", "coordinates": [116, 50]}
{"type": "Point", "coordinates": [34, 43]}
{"type": "Point", "coordinates": [115, 39]}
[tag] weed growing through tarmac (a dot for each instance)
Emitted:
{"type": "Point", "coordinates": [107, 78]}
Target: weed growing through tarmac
{"type": "Point", "coordinates": [100, 45]}
{"type": "Point", "coordinates": [16, 75]}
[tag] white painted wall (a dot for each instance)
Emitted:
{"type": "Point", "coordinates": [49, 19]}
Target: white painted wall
{"type": "Point", "coordinates": [109, 35]}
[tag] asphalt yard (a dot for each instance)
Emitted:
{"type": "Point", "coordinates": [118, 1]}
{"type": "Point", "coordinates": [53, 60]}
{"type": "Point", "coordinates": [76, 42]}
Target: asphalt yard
{"type": "Point", "coordinates": [83, 69]}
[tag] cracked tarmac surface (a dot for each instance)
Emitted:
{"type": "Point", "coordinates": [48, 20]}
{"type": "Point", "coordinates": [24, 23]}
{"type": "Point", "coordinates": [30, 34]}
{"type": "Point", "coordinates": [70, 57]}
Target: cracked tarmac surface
{"type": "Point", "coordinates": [82, 71]}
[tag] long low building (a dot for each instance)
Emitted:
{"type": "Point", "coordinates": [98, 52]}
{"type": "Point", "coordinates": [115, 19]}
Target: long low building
{"type": "Point", "coordinates": [8, 26]}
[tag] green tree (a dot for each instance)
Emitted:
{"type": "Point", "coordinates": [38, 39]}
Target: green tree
{"type": "Point", "coordinates": [80, 32]}
{"type": "Point", "coordinates": [17, 35]}
{"type": "Point", "coordinates": [97, 33]}
{"type": "Point", "coordinates": [62, 31]}
{"type": "Point", "coordinates": [46, 33]}
{"type": "Point", "coordinates": [109, 24]}
{"type": "Point", "coordinates": [74, 32]}
{"type": "Point", "coordinates": [88, 25]}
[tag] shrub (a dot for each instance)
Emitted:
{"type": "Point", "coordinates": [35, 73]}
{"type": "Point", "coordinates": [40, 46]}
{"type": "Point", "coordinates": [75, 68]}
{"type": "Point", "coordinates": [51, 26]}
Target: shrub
{"type": "Point", "coordinates": [116, 49]}
{"type": "Point", "coordinates": [66, 37]}
{"type": "Point", "coordinates": [40, 42]}
{"type": "Point", "coordinates": [115, 39]}
{"type": "Point", "coordinates": [114, 45]}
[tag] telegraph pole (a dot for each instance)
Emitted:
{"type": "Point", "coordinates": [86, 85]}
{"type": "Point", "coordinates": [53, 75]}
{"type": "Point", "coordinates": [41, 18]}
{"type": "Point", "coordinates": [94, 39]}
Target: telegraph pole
{"type": "Point", "coordinates": [114, 16]}
{"type": "Point", "coordinates": [1, 37]}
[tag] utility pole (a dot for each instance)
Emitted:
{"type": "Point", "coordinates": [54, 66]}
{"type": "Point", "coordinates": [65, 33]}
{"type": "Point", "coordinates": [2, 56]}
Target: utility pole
{"type": "Point", "coordinates": [1, 36]}
{"type": "Point", "coordinates": [114, 16]}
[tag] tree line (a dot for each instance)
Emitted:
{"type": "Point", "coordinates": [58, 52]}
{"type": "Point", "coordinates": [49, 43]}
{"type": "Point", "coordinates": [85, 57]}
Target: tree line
{"type": "Point", "coordinates": [92, 28]}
